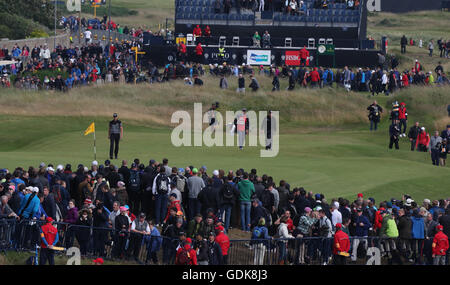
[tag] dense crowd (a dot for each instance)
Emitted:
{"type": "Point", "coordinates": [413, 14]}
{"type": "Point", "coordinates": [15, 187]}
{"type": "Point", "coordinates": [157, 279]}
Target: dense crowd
{"type": "Point", "coordinates": [189, 212]}
{"type": "Point", "coordinates": [75, 24]}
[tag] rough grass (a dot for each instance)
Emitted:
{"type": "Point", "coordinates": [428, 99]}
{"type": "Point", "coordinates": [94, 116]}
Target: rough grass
{"type": "Point", "coordinates": [154, 104]}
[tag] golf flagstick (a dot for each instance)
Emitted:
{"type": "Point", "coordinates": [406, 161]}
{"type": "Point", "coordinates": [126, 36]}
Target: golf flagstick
{"type": "Point", "coordinates": [95, 148]}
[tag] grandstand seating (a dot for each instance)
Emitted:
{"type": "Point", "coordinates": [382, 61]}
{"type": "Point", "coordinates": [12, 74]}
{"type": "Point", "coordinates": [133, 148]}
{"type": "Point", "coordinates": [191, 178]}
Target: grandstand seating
{"type": "Point", "coordinates": [203, 10]}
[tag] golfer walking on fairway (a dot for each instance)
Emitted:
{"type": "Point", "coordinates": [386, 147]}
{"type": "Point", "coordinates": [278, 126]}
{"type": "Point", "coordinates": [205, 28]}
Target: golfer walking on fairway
{"type": "Point", "coordinates": [115, 133]}
{"type": "Point", "coordinates": [242, 124]}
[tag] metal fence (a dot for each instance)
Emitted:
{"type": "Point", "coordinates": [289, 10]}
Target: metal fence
{"type": "Point", "coordinates": [114, 245]}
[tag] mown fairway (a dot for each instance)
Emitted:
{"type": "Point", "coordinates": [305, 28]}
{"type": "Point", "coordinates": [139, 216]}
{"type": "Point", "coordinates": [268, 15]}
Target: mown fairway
{"type": "Point", "coordinates": [336, 163]}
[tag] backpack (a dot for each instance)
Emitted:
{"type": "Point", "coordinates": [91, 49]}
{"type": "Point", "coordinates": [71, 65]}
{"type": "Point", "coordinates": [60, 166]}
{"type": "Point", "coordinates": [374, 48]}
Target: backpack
{"type": "Point", "coordinates": [391, 230]}
{"type": "Point", "coordinates": [184, 257]}
{"type": "Point", "coordinates": [135, 181]}
{"type": "Point", "coordinates": [227, 192]}
{"type": "Point", "coordinates": [267, 217]}
{"type": "Point", "coordinates": [181, 182]}
{"type": "Point", "coordinates": [162, 184]}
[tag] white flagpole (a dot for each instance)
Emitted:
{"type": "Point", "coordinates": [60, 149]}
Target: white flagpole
{"type": "Point", "coordinates": [95, 148]}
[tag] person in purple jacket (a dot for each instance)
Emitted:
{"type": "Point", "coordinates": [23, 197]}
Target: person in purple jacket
{"type": "Point", "coordinates": [71, 219]}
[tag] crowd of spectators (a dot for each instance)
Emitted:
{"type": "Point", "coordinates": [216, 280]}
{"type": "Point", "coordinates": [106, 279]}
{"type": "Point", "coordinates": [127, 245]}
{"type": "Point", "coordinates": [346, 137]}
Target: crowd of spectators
{"type": "Point", "coordinates": [180, 209]}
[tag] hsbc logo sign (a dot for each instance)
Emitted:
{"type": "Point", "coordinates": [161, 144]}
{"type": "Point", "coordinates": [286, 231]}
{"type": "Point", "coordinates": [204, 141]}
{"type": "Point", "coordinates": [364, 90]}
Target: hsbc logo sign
{"type": "Point", "coordinates": [292, 58]}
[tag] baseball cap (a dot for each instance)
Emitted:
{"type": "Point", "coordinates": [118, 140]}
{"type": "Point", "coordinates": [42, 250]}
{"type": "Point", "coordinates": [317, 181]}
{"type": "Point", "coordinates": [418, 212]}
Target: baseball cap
{"type": "Point", "coordinates": [308, 209]}
{"type": "Point", "coordinates": [188, 240]}
{"type": "Point", "coordinates": [195, 170]}
{"type": "Point", "coordinates": [123, 208]}
{"type": "Point", "coordinates": [115, 115]}
{"type": "Point", "coordinates": [35, 190]}
{"type": "Point", "coordinates": [50, 169]}
{"type": "Point", "coordinates": [216, 172]}
{"type": "Point", "coordinates": [95, 163]}
{"type": "Point", "coordinates": [338, 225]}
{"type": "Point", "coordinates": [360, 195]}
{"type": "Point", "coordinates": [60, 167]}
{"type": "Point", "coordinates": [439, 227]}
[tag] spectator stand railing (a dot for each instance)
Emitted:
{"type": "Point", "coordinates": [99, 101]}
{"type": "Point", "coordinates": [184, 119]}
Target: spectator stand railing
{"type": "Point", "coordinates": [24, 235]}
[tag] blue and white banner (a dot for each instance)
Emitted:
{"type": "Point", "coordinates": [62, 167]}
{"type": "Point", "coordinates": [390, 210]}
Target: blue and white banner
{"type": "Point", "coordinates": [259, 57]}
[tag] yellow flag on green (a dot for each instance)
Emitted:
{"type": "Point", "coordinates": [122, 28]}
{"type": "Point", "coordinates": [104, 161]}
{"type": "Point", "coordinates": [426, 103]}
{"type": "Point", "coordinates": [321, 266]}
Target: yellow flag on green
{"type": "Point", "coordinates": [90, 129]}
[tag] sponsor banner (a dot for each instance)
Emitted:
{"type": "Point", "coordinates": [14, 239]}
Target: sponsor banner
{"type": "Point", "coordinates": [292, 58]}
{"type": "Point", "coordinates": [259, 57]}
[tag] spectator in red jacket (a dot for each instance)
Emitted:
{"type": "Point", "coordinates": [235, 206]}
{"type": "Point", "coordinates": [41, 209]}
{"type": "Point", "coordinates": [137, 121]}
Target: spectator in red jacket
{"type": "Point", "coordinates": [440, 246]}
{"type": "Point", "coordinates": [417, 66]}
{"type": "Point", "coordinates": [341, 246]}
{"type": "Point", "coordinates": [304, 55]}
{"type": "Point", "coordinates": [183, 51]}
{"type": "Point", "coordinates": [315, 77]}
{"type": "Point", "coordinates": [207, 32]}
{"type": "Point", "coordinates": [199, 52]}
{"type": "Point", "coordinates": [224, 243]}
{"type": "Point", "coordinates": [403, 117]}
{"type": "Point", "coordinates": [174, 203]}
{"type": "Point", "coordinates": [405, 80]}
{"type": "Point", "coordinates": [49, 238]}
{"type": "Point", "coordinates": [197, 31]}
{"type": "Point", "coordinates": [186, 254]}
{"type": "Point", "coordinates": [423, 140]}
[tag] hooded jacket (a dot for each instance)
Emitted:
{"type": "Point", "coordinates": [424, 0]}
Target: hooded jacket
{"type": "Point", "coordinates": [440, 244]}
{"type": "Point", "coordinates": [423, 138]}
{"type": "Point", "coordinates": [418, 228]}
{"type": "Point", "coordinates": [246, 190]}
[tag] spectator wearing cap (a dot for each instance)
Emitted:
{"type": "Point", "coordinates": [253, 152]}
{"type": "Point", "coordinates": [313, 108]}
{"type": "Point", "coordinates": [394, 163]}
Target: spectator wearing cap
{"type": "Point", "coordinates": [423, 140]}
{"type": "Point", "coordinates": [49, 238]}
{"type": "Point", "coordinates": [215, 252]}
{"type": "Point", "coordinates": [139, 230]}
{"type": "Point", "coordinates": [122, 225]}
{"type": "Point", "coordinates": [200, 245]}
{"type": "Point", "coordinates": [174, 203]}
{"type": "Point", "coordinates": [30, 204]}
{"type": "Point", "coordinates": [174, 236]}
{"type": "Point", "coordinates": [191, 253]}
{"type": "Point", "coordinates": [195, 226]}
{"type": "Point", "coordinates": [336, 216]}
{"type": "Point", "coordinates": [195, 185]}
{"type": "Point", "coordinates": [361, 225]}
{"type": "Point", "coordinates": [224, 243]}
{"type": "Point", "coordinates": [121, 193]}
{"type": "Point", "coordinates": [304, 228]}
{"type": "Point", "coordinates": [341, 246]}
{"type": "Point", "coordinates": [440, 246]}
{"type": "Point", "coordinates": [115, 134]}
{"type": "Point", "coordinates": [388, 232]}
